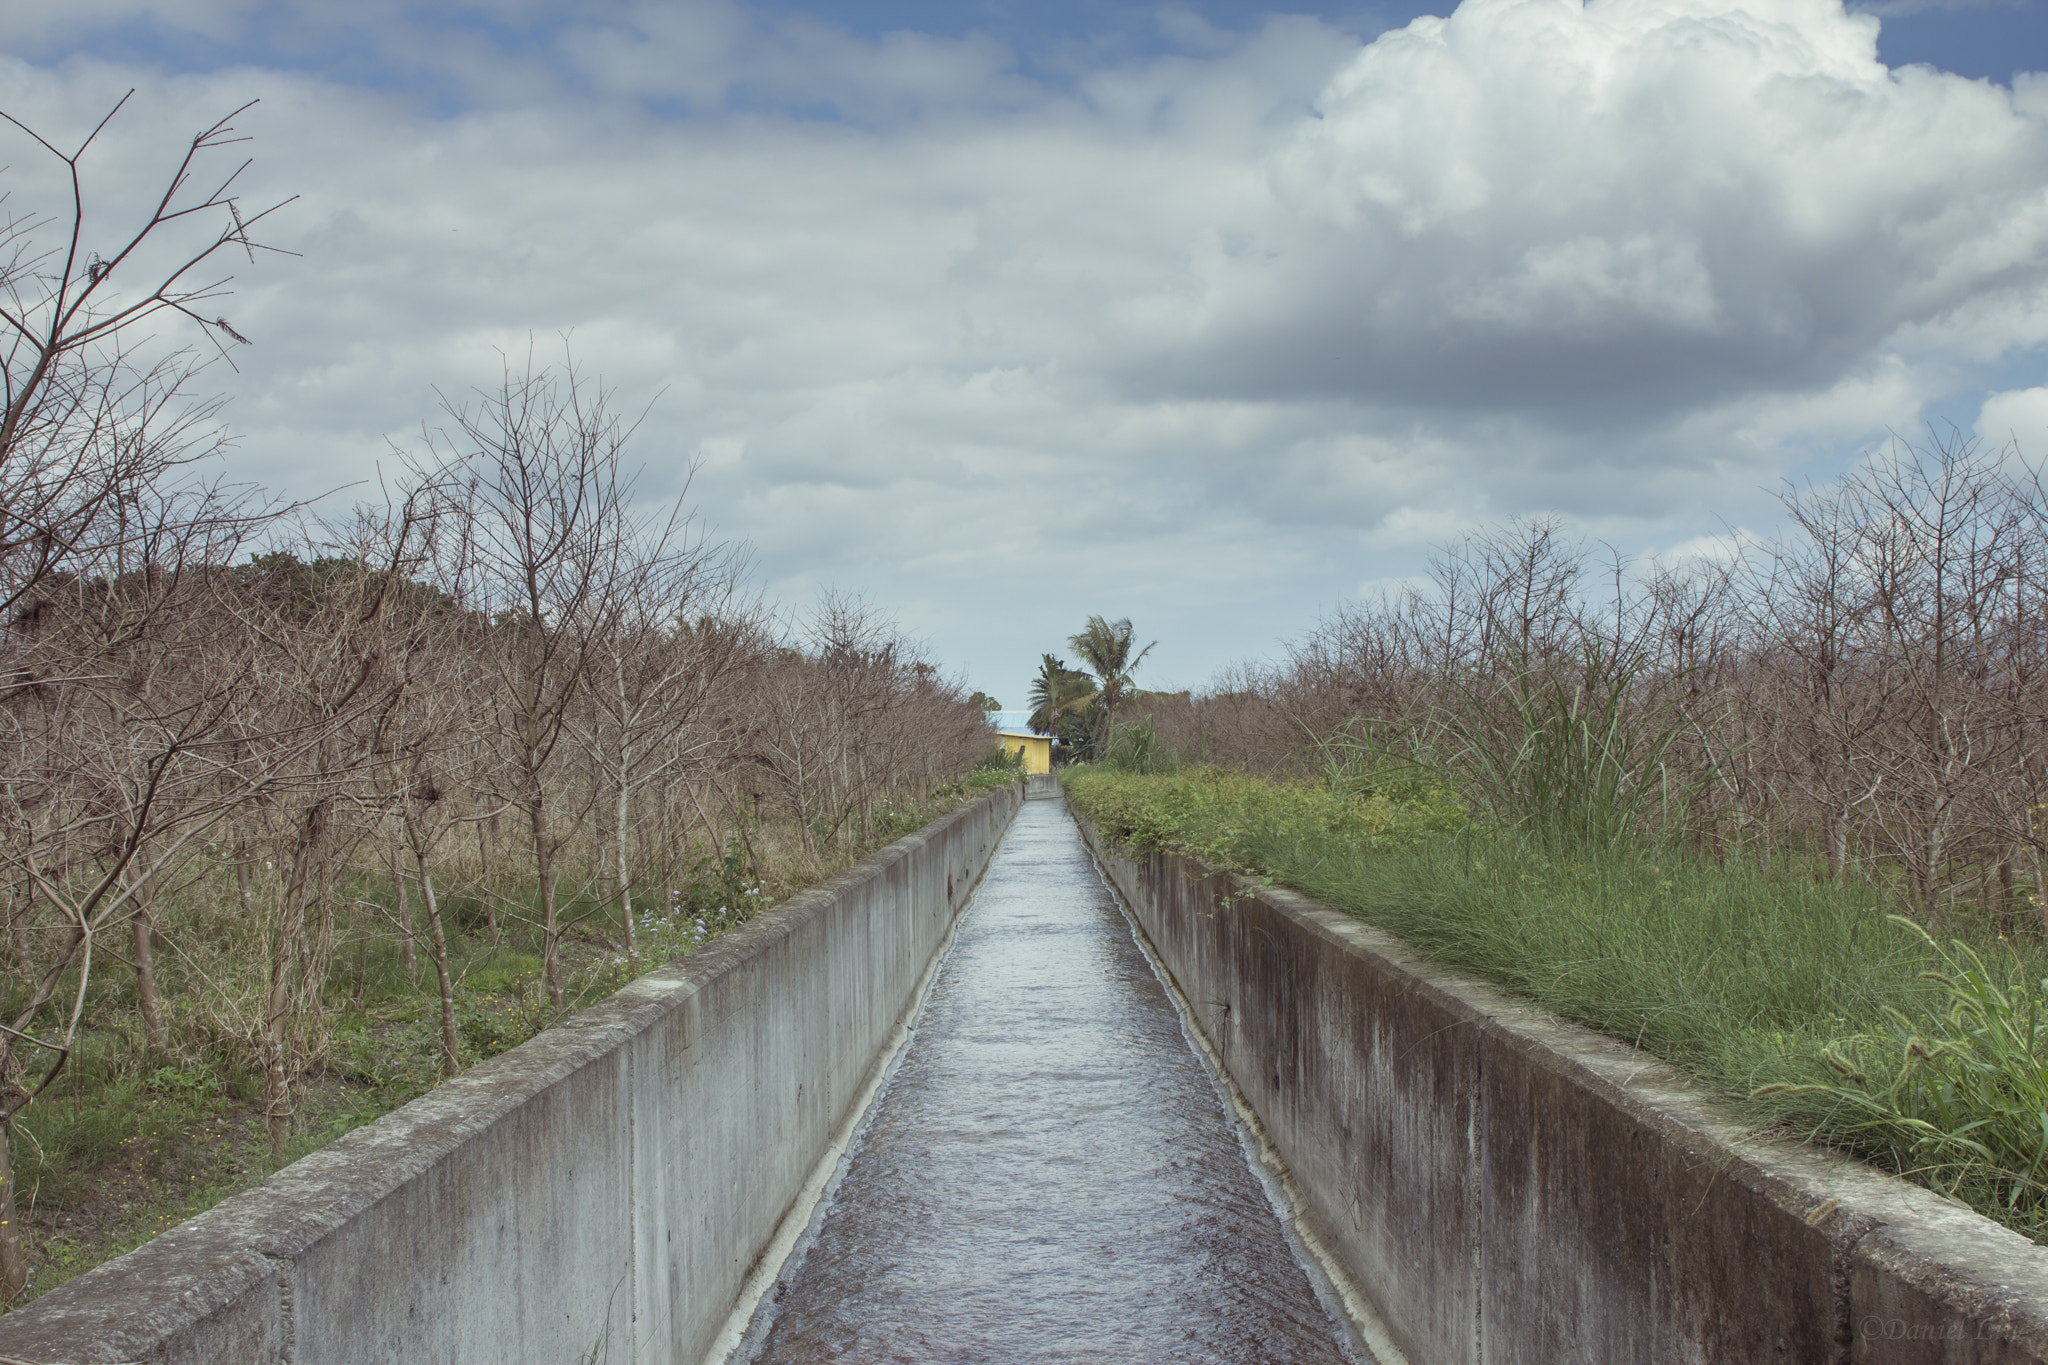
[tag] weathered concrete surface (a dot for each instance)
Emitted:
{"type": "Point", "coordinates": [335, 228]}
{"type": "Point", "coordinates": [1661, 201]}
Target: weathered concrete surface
{"type": "Point", "coordinates": [598, 1192]}
{"type": "Point", "coordinates": [1502, 1187]}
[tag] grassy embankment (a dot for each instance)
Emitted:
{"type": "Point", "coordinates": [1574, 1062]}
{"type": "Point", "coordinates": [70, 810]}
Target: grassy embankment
{"type": "Point", "coordinates": [122, 1147]}
{"type": "Point", "coordinates": [1803, 1003]}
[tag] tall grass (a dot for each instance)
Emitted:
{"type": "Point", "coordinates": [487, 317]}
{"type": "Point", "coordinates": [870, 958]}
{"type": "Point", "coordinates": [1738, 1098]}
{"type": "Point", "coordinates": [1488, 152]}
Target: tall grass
{"type": "Point", "coordinates": [1720, 968]}
{"type": "Point", "coordinates": [1575, 755]}
{"type": "Point", "coordinates": [1957, 1094]}
{"type": "Point", "coordinates": [1136, 749]}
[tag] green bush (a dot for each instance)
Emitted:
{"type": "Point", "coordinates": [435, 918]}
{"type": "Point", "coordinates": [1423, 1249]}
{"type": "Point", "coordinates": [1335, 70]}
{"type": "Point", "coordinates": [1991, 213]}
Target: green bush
{"type": "Point", "coordinates": [981, 780]}
{"type": "Point", "coordinates": [1222, 817]}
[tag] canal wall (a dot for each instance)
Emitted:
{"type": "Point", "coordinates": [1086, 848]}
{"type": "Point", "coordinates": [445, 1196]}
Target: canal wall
{"type": "Point", "coordinates": [1497, 1186]}
{"type": "Point", "coordinates": [599, 1193]}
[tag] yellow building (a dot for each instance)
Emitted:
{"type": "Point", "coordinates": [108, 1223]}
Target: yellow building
{"type": "Point", "coordinates": [1037, 749]}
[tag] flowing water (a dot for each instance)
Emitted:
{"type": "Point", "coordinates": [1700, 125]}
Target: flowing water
{"type": "Point", "coordinates": [1050, 1173]}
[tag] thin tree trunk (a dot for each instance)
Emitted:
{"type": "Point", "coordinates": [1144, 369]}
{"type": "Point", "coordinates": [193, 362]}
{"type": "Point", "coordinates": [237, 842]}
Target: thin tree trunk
{"type": "Point", "coordinates": [624, 872]}
{"type": "Point", "coordinates": [13, 1258]}
{"type": "Point", "coordinates": [277, 1103]}
{"type": "Point", "coordinates": [20, 908]}
{"type": "Point", "coordinates": [318, 952]}
{"type": "Point", "coordinates": [288, 960]}
{"type": "Point", "coordinates": [2007, 923]}
{"type": "Point", "coordinates": [1933, 850]}
{"type": "Point", "coordinates": [156, 1034]}
{"type": "Point", "coordinates": [245, 878]}
{"type": "Point", "coordinates": [404, 909]}
{"type": "Point", "coordinates": [550, 929]}
{"type": "Point", "coordinates": [483, 863]}
{"type": "Point", "coordinates": [451, 1056]}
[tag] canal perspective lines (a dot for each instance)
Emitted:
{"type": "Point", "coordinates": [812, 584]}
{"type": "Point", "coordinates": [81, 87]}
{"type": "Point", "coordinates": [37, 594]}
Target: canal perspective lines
{"type": "Point", "coordinates": [1050, 1173]}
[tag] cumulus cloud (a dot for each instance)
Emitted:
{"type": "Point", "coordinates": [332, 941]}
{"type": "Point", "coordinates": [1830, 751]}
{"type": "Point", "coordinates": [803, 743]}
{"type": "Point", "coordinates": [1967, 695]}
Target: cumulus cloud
{"type": "Point", "coordinates": [1620, 209]}
{"type": "Point", "coordinates": [1205, 338]}
{"type": "Point", "coordinates": [2018, 417]}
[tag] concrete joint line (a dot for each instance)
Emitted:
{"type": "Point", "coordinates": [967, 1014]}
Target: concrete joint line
{"type": "Point", "coordinates": [1479, 1156]}
{"type": "Point", "coordinates": [287, 1318]}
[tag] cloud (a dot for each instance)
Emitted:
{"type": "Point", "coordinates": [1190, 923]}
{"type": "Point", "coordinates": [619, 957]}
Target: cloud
{"type": "Point", "coordinates": [1900, 8]}
{"type": "Point", "coordinates": [1616, 210]}
{"type": "Point", "coordinates": [1205, 338]}
{"type": "Point", "coordinates": [2019, 417]}
{"type": "Point", "coordinates": [708, 53]}
{"type": "Point", "coordinates": [39, 24]}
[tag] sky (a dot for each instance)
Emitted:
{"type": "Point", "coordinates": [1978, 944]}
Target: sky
{"type": "Point", "coordinates": [1001, 314]}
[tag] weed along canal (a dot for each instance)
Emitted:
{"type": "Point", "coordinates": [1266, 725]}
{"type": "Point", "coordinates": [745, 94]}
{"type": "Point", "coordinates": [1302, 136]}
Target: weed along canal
{"type": "Point", "coordinates": [1050, 1173]}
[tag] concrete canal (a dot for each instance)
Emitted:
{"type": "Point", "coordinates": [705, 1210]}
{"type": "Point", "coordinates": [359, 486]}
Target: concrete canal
{"type": "Point", "coordinates": [1050, 1173]}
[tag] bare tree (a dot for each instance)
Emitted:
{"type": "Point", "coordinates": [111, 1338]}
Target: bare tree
{"type": "Point", "coordinates": [426, 748]}
{"type": "Point", "coordinates": [334, 633]}
{"type": "Point", "coordinates": [87, 420]}
{"type": "Point", "coordinates": [680, 630]}
{"type": "Point", "coordinates": [554, 551]}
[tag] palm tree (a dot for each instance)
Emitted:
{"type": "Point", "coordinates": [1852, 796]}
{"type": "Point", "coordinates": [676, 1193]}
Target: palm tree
{"type": "Point", "coordinates": [1106, 648]}
{"type": "Point", "coordinates": [1056, 693]}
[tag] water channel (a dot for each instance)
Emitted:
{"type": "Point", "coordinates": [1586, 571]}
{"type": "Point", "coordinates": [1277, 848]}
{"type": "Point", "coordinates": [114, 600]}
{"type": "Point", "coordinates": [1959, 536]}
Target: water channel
{"type": "Point", "coordinates": [1050, 1173]}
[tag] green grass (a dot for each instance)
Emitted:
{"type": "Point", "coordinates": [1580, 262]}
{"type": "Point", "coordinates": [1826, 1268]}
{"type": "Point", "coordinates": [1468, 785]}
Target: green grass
{"type": "Point", "coordinates": [1804, 1004]}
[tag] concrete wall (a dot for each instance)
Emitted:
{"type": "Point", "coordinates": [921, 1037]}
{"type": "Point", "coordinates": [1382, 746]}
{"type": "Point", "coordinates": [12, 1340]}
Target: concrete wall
{"type": "Point", "coordinates": [1500, 1187]}
{"type": "Point", "coordinates": [598, 1192]}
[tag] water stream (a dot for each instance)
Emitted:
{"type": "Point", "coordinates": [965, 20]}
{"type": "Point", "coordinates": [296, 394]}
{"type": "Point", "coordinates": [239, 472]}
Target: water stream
{"type": "Point", "coordinates": [1050, 1173]}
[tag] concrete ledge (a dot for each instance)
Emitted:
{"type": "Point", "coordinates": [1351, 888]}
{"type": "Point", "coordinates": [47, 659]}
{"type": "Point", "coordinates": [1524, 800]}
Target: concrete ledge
{"type": "Point", "coordinates": [600, 1191]}
{"type": "Point", "coordinates": [1504, 1187]}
